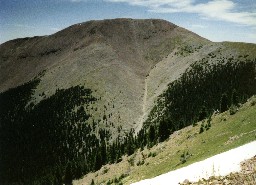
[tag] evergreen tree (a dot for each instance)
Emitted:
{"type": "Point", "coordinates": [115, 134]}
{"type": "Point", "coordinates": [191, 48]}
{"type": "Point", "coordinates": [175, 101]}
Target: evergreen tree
{"type": "Point", "coordinates": [234, 98]}
{"type": "Point", "coordinates": [163, 130]}
{"type": "Point", "coordinates": [203, 113]}
{"type": "Point", "coordinates": [224, 103]}
{"type": "Point", "coordinates": [151, 135]}
{"type": "Point", "coordinates": [78, 171]}
{"type": "Point", "coordinates": [201, 128]}
{"type": "Point", "coordinates": [209, 122]}
{"type": "Point", "coordinates": [98, 160]}
{"type": "Point", "coordinates": [103, 150]}
{"type": "Point", "coordinates": [68, 175]}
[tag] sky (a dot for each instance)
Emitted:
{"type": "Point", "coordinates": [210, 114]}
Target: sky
{"type": "Point", "coordinates": [216, 20]}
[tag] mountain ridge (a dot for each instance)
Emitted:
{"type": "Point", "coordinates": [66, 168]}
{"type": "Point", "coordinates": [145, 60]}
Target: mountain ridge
{"type": "Point", "coordinates": [113, 57]}
{"type": "Point", "coordinates": [115, 84]}
{"type": "Point", "coordinates": [126, 49]}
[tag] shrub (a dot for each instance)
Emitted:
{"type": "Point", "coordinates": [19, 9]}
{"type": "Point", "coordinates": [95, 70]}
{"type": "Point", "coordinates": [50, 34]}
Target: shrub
{"type": "Point", "coordinates": [131, 160]}
{"type": "Point", "coordinates": [184, 157]}
{"type": "Point", "coordinates": [92, 183]}
{"type": "Point", "coordinates": [140, 163]}
{"type": "Point", "coordinates": [201, 128]}
{"type": "Point", "coordinates": [253, 103]}
{"type": "Point", "coordinates": [208, 125]}
{"type": "Point", "coordinates": [233, 109]}
{"type": "Point", "coordinates": [152, 154]}
{"type": "Point", "coordinates": [105, 170]}
{"type": "Point", "coordinates": [122, 176]}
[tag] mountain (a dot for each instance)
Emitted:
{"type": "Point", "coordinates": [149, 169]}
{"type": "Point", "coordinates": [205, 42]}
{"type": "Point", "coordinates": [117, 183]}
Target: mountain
{"type": "Point", "coordinates": [97, 84]}
{"type": "Point", "coordinates": [112, 57]}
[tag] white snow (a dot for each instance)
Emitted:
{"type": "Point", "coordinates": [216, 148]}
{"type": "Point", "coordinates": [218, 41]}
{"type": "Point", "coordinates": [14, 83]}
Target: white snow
{"type": "Point", "coordinates": [221, 164]}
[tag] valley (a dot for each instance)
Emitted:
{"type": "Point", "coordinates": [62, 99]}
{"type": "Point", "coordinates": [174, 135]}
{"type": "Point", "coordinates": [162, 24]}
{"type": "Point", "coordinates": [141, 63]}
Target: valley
{"type": "Point", "coordinates": [119, 101]}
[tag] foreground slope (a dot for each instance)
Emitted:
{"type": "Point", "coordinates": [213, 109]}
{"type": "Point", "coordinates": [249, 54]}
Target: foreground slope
{"type": "Point", "coordinates": [246, 175]}
{"type": "Point", "coordinates": [221, 164]}
{"type": "Point", "coordinates": [226, 132]}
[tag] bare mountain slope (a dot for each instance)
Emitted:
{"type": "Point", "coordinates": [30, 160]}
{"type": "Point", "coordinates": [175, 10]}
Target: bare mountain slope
{"type": "Point", "coordinates": [127, 63]}
{"type": "Point", "coordinates": [112, 57]}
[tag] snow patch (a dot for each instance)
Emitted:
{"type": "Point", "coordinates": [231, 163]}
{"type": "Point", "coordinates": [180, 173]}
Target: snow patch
{"type": "Point", "coordinates": [218, 165]}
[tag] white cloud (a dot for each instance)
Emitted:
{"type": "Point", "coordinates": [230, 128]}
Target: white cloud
{"type": "Point", "coordinates": [225, 10]}
{"type": "Point", "coordinates": [155, 3]}
{"type": "Point", "coordinates": [198, 26]}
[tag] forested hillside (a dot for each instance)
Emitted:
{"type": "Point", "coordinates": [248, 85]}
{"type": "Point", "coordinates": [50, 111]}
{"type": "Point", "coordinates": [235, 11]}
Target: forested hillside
{"type": "Point", "coordinates": [41, 142]}
{"type": "Point", "coordinates": [51, 142]}
{"type": "Point", "coordinates": [87, 95]}
{"type": "Point", "coordinates": [203, 89]}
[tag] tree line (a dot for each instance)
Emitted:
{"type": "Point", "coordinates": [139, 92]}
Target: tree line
{"type": "Point", "coordinates": [204, 88]}
{"type": "Point", "coordinates": [52, 142]}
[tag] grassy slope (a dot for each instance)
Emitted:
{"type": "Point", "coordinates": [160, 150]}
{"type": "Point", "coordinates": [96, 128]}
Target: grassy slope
{"type": "Point", "coordinates": [227, 132]}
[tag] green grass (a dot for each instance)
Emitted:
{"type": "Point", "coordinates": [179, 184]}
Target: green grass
{"type": "Point", "coordinates": [227, 132]}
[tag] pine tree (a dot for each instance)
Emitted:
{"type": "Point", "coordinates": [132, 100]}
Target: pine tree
{"type": "Point", "coordinates": [203, 113]}
{"type": "Point", "coordinates": [234, 97]}
{"type": "Point", "coordinates": [163, 130]}
{"type": "Point", "coordinates": [68, 175]}
{"type": "Point", "coordinates": [209, 122]}
{"type": "Point", "coordinates": [201, 128]}
{"type": "Point", "coordinates": [224, 103]}
{"type": "Point", "coordinates": [98, 160]}
{"type": "Point", "coordinates": [151, 134]}
{"type": "Point", "coordinates": [103, 152]}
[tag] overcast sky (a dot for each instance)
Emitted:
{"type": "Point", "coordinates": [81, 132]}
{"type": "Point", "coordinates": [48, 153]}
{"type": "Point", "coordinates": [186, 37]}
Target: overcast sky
{"type": "Point", "coordinates": [216, 20]}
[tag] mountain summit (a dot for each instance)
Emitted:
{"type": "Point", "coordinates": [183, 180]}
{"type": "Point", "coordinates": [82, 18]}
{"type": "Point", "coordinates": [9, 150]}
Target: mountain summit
{"type": "Point", "coordinates": [111, 57]}
{"type": "Point", "coordinates": [84, 96]}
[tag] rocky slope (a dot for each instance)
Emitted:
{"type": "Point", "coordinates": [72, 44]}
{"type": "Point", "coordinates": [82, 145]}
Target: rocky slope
{"type": "Point", "coordinates": [126, 62]}
{"type": "Point", "coordinates": [118, 59]}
